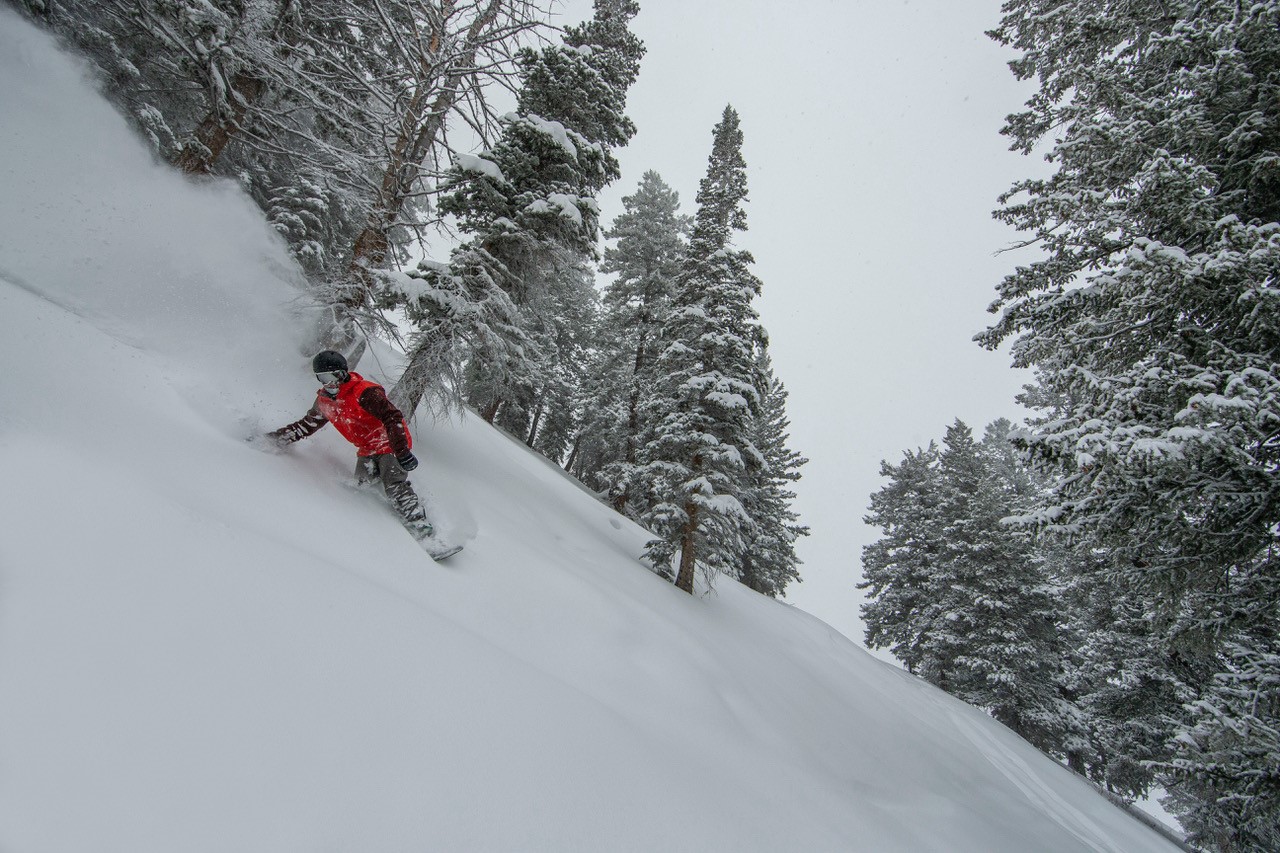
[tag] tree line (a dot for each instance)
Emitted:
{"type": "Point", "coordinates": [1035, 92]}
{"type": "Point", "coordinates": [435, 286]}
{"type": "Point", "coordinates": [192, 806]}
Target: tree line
{"type": "Point", "coordinates": [1112, 592]}
{"type": "Point", "coordinates": [367, 133]}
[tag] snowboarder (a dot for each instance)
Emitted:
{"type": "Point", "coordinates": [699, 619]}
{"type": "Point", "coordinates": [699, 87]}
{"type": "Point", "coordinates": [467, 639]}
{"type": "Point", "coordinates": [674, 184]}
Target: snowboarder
{"type": "Point", "coordinates": [360, 411]}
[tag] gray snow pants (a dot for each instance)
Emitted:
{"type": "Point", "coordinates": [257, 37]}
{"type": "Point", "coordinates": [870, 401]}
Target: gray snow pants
{"type": "Point", "coordinates": [395, 482]}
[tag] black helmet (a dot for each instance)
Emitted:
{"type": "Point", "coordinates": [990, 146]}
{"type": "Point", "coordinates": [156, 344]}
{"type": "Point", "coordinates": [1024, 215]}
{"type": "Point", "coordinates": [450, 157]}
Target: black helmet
{"type": "Point", "coordinates": [327, 361]}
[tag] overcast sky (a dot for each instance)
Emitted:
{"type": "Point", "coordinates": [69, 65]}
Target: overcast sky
{"type": "Point", "coordinates": [874, 161]}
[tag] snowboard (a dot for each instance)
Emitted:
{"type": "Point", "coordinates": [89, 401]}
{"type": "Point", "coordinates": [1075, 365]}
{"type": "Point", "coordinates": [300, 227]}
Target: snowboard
{"type": "Point", "coordinates": [435, 549]}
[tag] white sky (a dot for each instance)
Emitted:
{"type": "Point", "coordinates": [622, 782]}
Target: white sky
{"type": "Point", "coordinates": [874, 162]}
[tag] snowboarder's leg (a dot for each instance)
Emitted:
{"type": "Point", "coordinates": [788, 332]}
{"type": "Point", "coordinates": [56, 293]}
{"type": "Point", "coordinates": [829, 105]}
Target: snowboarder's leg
{"type": "Point", "coordinates": [395, 481]}
{"type": "Point", "coordinates": [366, 471]}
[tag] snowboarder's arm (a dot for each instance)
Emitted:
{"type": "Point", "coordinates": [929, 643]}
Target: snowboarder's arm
{"type": "Point", "coordinates": [374, 401]}
{"type": "Point", "coordinates": [308, 425]}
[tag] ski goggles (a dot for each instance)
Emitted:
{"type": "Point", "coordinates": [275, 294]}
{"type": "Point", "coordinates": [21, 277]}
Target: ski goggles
{"type": "Point", "coordinates": [331, 377]}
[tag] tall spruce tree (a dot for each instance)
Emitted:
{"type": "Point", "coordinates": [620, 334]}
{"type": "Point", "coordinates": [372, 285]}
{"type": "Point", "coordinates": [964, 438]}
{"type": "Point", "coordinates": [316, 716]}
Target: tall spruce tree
{"type": "Point", "coordinates": [950, 610]}
{"type": "Point", "coordinates": [959, 595]}
{"type": "Point", "coordinates": [1014, 649]}
{"type": "Point", "coordinates": [768, 563]}
{"type": "Point", "coordinates": [898, 568]}
{"type": "Point", "coordinates": [1153, 312]}
{"type": "Point", "coordinates": [1124, 679]}
{"type": "Point", "coordinates": [698, 449]}
{"type": "Point", "coordinates": [646, 261]}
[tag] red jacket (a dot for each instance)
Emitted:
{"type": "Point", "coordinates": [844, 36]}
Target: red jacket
{"type": "Point", "coordinates": [361, 412]}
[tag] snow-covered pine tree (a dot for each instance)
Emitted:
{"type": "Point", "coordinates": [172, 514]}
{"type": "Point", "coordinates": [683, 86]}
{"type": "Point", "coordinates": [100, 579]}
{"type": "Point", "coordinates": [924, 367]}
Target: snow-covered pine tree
{"type": "Point", "coordinates": [697, 446]}
{"type": "Point", "coordinates": [959, 595]}
{"type": "Point", "coordinates": [549, 415]}
{"type": "Point", "coordinates": [1227, 760]}
{"type": "Point", "coordinates": [898, 568]}
{"type": "Point", "coordinates": [769, 563]}
{"type": "Point", "coordinates": [1013, 649]}
{"type": "Point", "coordinates": [527, 209]}
{"type": "Point", "coordinates": [1121, 675]}
{"type": "Point", "coordinates": [1153, 310]}
{"type": "Point", "coordinates": [1123, 682]}
{"type": "Point", "coordinates": [645, 260]}
{"type": "Point", "coordinates": [244, 90]}
{"type": "Point", "coordinates": [951, 610]}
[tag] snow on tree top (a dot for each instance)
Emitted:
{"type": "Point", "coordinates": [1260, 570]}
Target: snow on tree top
{"type": "Point", "coordinates": [472, 163]}
{"type": "Point", "coordinates": [565, 204]}
{"type": "Point", "coordinates": [554, 130]}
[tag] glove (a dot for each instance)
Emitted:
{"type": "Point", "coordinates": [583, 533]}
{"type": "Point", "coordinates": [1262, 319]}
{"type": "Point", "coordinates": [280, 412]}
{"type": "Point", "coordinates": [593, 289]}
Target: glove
{"type": "Point", "coordinates": [407, 460]}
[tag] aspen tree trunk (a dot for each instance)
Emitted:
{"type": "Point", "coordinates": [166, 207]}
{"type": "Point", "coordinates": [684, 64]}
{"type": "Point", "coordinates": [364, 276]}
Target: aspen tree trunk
{"type": "Point", "coordinates": [212, 135]}
{"type": "Point", "coordinates": [420, 128]}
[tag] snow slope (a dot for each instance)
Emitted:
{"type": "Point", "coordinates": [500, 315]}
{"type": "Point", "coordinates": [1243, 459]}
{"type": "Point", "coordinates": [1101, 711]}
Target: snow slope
{"type": "Point", "coordinates": [204, 647]}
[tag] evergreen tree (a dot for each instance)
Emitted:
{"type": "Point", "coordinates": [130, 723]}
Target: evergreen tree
{"type": "Point", "coordinates": [527, 208]}
{"type": "Point", "coordinates": [646, 262]}
{"type": "Point", "coordinates": [190, 73]}
{"type": "Point", "coordinates": [1152, 312]}
{"type": "Point", "coordinates": [1125, 683]}
{"type": "Point", "coordinates": [1013, 648]}
{"type": "Point", "coordinates": [550, 414]}
{"type": "Point", "coordinates": [960, 595]}
{"type": "Point", "coordinates": [898, 567]}
{"type": "Point", "coordinates": [951, 609]}
{"type": "Point", "coordinates": [769, 563]}
{"type": "Point", "coordinates": [1227, 762]}
{"type": "Point", "coordinates": [697, 447]}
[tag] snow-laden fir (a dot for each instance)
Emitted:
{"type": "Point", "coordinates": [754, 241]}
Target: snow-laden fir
{"type": "Point", "coordinates": [204, 647]}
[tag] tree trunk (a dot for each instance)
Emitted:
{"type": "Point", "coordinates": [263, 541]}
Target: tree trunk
{"type": "Point", "coordinates": [491, 411]}
{"type": "Point", "coordinates": [633, 418]}
{"type": "Point", "coordinates": [533, 427]}
{"type": "Point", "coordinates": [419, 368]}
{"type": "Point", "coordinates": [420, 128]}
{"type": "Point", "coordinates": [688, 549]}
{"type": "Point", "coordinates": [633, 404]}
{"type": "Point", "coordinates": [573, 454]}
{"type": "Point", "coordinates": [212, 135]}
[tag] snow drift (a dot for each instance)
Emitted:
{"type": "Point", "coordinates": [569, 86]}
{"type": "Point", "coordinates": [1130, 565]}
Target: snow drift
{"type": "Point", "coordinates": [205, 647]}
